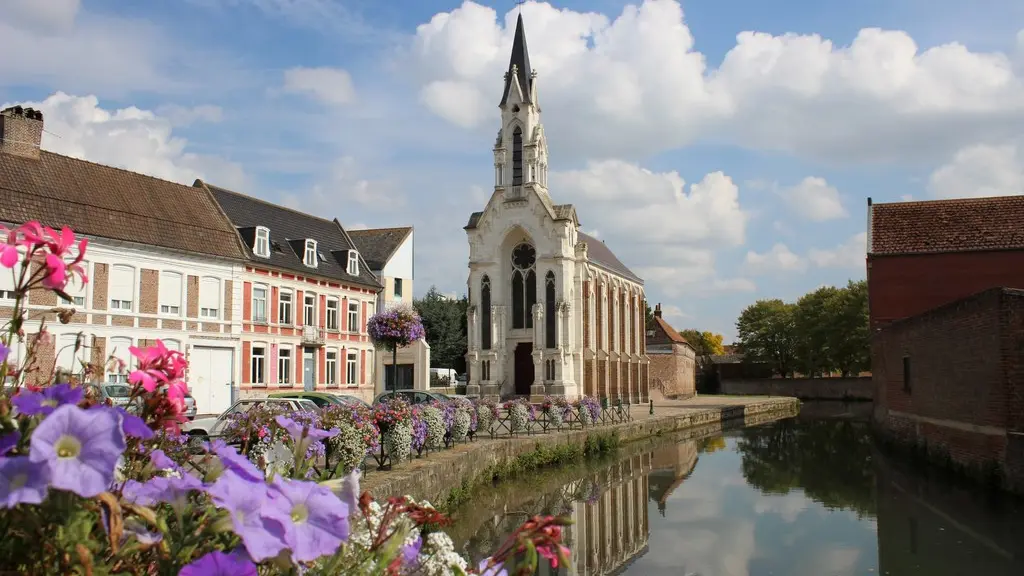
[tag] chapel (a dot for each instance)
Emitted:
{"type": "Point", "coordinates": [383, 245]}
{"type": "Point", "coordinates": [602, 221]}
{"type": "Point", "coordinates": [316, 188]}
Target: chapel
{"type": "Point", "coordinates": [552, 310]}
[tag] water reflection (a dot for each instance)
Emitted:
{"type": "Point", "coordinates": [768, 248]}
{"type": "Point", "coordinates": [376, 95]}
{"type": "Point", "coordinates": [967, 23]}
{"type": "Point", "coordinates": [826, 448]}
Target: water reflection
{"type": "Point", "coordinates": [805, 497]}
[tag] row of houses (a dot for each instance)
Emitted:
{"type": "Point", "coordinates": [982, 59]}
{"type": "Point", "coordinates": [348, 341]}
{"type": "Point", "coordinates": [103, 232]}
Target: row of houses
{"type": "Point", "coordinates": [259, 297]}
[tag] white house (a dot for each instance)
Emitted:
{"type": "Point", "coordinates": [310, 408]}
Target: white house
{"type": "Point", "coordinates": [552, 310]}
{"type": "Point", "coordinates": [162, 259]}
{"type": "Point", "coordinates": [390, 253]}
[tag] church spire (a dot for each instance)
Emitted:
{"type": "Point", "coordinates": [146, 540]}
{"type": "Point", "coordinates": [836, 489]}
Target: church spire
{"type": "Point", "coordinates": [520, 64]}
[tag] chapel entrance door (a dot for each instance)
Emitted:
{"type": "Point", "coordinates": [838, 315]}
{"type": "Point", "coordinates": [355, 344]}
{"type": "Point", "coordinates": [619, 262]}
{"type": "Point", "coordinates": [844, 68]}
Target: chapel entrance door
{"type": "Point", "coordinates": [523, 368]}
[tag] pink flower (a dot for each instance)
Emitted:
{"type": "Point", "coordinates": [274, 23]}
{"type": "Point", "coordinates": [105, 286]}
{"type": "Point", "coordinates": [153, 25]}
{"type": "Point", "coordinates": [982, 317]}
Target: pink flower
{"type": "Point", "coordinates": [56, 277]}
{"type": "Point", "coordinates": [9, 254]}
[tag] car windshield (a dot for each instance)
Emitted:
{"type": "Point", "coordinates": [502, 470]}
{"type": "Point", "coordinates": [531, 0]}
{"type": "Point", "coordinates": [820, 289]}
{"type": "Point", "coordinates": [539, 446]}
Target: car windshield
{"type": "Point", "coordinates": [117, 391]}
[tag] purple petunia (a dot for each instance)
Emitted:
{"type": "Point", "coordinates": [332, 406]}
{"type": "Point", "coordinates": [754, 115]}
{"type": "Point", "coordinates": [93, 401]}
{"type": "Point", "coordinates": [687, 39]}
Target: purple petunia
{"type": "Point", "coordinates": [44, 402]}
{"type": "Point", "coordinates": [220, 564]}
{"type": "Point", "coordinates": [131, 424]}
{"type": "Point", "coordinates": [161, 461]}
{"type": "Point", "coordinates": [263, 536]}
{"type": "Point", "coordinates": [81, 447]}
{"type": "Point", "coordinates": [411, 553]}
{"type": "Point", "coordinates": [9, 441]}
{"type": "Point", "coordinates": [300, 431]}
{"type": "Point", "coordinates": [22, 481]}
{"type": "Point", "coordinates": [5, 351]}
{"type": "Point", "coordinates": [315, 520]}
{"type": "Point", "coordinates": [349, 493]}
{"type": "Point", "coordinates": [496, 570]}
{"type": "Point", "coordinates": [232, 460]}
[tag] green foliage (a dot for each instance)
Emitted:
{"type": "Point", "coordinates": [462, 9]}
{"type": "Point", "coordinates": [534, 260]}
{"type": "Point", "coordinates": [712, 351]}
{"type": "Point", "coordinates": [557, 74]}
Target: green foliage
{"type": "Point", "coordinates": [767, 333]}
{"type": "Point", "coordinates": [830, 460]}
{"type": "Point", "coordinates": [824, 332]}
{"type": "Point", "coordinates": [649, 316]}
{"type": "Point", "coordinates": [706, 344]}
{"type": "Point", "coordinates": [444, 321]}
{"type": "Point", "coordinates": [542, 456]}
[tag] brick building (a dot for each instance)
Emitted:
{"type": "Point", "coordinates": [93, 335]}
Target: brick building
{"type": "Point", "coordinates": [952, 379]}
{"type": "Point", "coordinates": [306, 295]}
{"type": "Point", "coordinates": [673, 360]}
{"type": "Point", "coordinates": [924, 254]}
{"type": "Point", "coordinates": [161, 262]}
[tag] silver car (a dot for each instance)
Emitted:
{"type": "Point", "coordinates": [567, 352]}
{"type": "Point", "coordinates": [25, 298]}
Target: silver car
{"type": "Point", "coordinates": [202, 429]}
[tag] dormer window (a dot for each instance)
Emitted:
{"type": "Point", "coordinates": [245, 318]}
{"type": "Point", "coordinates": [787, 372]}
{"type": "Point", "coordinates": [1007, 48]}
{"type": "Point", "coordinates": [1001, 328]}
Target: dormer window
{"type": "Point", "coordinates": [353, 263]}
{"type": "Point", "coordinates": [261, 247]}
{"type": "Point", "coordinates": [309, 258]}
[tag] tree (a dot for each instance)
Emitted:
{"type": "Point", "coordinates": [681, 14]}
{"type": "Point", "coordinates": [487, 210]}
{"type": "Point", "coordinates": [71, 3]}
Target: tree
{"type": "Point", "coordinates": [852, 337]}
{"type": "Point", "coordinates": [706, 344]}
{"type": "Point", "coordinates": [649, 316]}
{"type": "Point", "coordinates": [766, 334]}
{"type": "Point", "coordinates": [814, 320]}
{"type": "Point", "coordinates": [444, 320]}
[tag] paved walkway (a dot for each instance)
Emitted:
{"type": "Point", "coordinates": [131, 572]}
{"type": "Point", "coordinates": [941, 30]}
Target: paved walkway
{"type": "Point", "coordinates": [433, 476]}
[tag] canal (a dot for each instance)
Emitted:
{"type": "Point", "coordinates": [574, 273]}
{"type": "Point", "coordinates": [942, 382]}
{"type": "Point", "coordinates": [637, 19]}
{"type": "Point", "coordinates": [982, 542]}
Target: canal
{"type": "Point", "coordinates": [805, 496]}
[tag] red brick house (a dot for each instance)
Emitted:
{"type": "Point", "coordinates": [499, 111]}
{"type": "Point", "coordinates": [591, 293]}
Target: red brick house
{"type": "Point", "coordinates": [673, 360]}
{"type": "Point", "coordinates": [307, 294]}
{"type": "Point", "coordinates": [947, 319]}
{"type": "Point", "coordinates": [922, 255]}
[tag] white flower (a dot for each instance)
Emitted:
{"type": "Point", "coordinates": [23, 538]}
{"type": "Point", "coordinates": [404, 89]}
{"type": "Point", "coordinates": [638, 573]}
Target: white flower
{"type": "Point", "coordinates": [460, 427]}
{"type": "Point", "coordinates": [435, 427]}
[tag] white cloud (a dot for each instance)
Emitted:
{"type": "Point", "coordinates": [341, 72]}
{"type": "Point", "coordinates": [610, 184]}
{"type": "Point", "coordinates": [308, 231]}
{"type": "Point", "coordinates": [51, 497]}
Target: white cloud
{"type": "Point", "coordinates": [850, 254]}
{"type": "Point", "coordinates": [48, 16]}
{"type": "Point", "coordinates": [331, 86]}
{"type": "Point", "coordinates": [671, 311]}
{"type": "Point", "coordinates": [980, 170]}
{"type": "Point", "coordinates": [130, 138]}
{"type": "Point", "coordinates": [343, 192]}
{"type": "Point", "coordinates": [665, 231]}
{"type": "Point", "coordinates": [779, 259]}
{"type": "Point", "coordinates": [638, 77]}
{"type": "Point", "coordinates": [814, 199]}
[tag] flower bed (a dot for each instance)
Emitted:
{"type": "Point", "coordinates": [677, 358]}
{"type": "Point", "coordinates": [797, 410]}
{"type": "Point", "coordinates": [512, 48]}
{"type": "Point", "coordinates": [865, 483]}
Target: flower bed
{"type": "Point", "coordinates": [357, 437]}
{"type": "Point", "coordinates": [520, 414]}
{"type": "Point", "coordinates": [88, 488]}
{"type": "Point", "coordinates": [487, 414]}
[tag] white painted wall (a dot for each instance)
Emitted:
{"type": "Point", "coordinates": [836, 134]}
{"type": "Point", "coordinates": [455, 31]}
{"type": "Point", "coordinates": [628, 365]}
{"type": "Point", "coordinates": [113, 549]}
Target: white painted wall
{"type": "Point", "coordinates": [91, 322]}
{"type": "Point", "coordinates": [401, 263]}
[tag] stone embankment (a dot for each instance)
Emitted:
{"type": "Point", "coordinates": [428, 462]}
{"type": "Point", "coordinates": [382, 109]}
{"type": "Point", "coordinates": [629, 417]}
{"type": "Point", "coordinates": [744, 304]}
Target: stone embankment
{"type": "Point", "coordinates": [434, 477]}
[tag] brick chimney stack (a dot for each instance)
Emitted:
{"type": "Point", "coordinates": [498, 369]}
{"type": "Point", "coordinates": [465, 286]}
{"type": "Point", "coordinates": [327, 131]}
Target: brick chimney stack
{"type": "Point", "coordinates": [657, 310]}
{"type": "Point", "coordinates": [21, 132]}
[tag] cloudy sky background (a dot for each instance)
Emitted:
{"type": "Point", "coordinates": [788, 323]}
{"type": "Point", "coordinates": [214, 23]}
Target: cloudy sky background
{"type": "Point", "coordinates": [724, 149]}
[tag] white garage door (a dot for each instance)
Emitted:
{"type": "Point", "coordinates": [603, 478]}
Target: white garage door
{"type": "Point", "coordinates": [210, 372]}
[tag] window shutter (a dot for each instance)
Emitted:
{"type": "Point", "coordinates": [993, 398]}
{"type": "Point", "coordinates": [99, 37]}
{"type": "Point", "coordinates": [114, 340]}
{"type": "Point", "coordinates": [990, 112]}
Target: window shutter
{"type": "Point", "coordinates": [7, 278]}
{"type": "Point", "coordinates": [172, 345]}
{"type": "Point", "coordinates": [170, 289]}
{"type": "Point", "coordinates": [119, 349]}
{"type": "Point", "coordinates": [209, 293]}
{"type": "Point", "coordinates": [122, 282]}
{"type": "Point", "coordinates": [66, 354]}
{"type": "Point", "coordinates": [75, 288]}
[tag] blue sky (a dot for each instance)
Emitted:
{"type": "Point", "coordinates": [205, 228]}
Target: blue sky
{"type": "Point", "coordinates": [723, 148]}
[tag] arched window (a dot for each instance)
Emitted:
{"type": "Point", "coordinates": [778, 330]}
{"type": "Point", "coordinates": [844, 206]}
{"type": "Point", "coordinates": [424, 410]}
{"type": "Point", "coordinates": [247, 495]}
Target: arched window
{"type": "Point", "coordinates": [524, 285]}
{"type": "Point", "coordinates": [549, 309]}
{"type": "Point", "coordinates": [517, 156]}
{"type": "Point", "coordinates": [485, 313]}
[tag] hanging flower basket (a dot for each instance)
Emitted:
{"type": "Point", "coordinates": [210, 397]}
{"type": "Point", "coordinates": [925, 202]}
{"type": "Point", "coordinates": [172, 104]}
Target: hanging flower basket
{"type": "Point", "coordinates": [393, 329]}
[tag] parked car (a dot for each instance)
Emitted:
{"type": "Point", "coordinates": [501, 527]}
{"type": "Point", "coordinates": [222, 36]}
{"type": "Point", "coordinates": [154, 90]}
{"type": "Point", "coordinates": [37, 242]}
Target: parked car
{"type": "Point", "coordinates": [202, 429]}
{"type": "Point", "coordinates": [190, 406]}
{"type": "Point", "coordinates": [118, 394]}
{"type": "Point", "coordinates": [323, 399]}
{"type": "Point", "coordinates": [412, 396]}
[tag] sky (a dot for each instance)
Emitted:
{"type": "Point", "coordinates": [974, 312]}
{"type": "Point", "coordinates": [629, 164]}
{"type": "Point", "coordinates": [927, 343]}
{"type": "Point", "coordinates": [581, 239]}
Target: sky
{"type": "Point", "coordinates": [723, 149]}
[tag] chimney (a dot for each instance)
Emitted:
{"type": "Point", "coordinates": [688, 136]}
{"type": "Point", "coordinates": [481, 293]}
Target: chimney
{"type": "Point", "coordinates": [21, 132]}
{"type": "Point", "coordinates": [657, 310]}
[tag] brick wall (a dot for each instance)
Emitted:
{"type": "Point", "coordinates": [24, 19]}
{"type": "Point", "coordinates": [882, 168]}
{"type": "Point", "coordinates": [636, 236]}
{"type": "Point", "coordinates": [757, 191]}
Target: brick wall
{"type": "Point", "coordinates": [40, 296]}
{"type": "Point", "coordinates": [192, 297]}
{"type": "Point", "coordinates": [100, 280]}
{"type": "Point", "coordinates": [98, 357]}
{"type": "Point", "coordinates": [586, 314]}
{"type": "Point", "coordinates": [964, 397]}
{"type": "Point", "coordinates": [672, 374]}
{"type": "Point", "coordinates": [860, 388]}
{"type": "Point", "coordinates": [149, 291]}
{"type": "Point", "coordinates": [40, 368]}
{"type": "Point", "coordinates": [588, 378]}
{"type": "Point", "coordinates": [229, 299]}
{"type": "Point", "coordinates": [902, 286]}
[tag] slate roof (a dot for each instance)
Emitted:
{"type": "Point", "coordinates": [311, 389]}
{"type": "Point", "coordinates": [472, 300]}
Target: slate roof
{"type": "Point", "coordinates": [598, 253]}
{"type": "Point", "coordinates": [521, 58]}
{"type": "Point", "coordinates": [378, 245]}
{"type": "Point", "coordinates": [959, 225]}
{"type": "Point", "coordinates": [106, 202]}
{"type": "Point", "coordinates": [288, 231]}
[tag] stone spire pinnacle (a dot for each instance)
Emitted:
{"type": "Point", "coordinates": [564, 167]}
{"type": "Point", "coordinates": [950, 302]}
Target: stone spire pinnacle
{"type": "Point", "coordinates": [519, 65]}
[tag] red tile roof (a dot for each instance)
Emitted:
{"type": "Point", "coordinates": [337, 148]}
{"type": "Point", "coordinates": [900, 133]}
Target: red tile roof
{"type": "Point", "coordinates": [669, 331]}
{"type": "Point", "coordinates": [959, 225]}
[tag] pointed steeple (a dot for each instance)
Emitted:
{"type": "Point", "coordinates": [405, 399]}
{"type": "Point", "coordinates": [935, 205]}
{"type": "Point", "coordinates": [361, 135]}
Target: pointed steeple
{"type": "Point", "coordinates": [521, 61]}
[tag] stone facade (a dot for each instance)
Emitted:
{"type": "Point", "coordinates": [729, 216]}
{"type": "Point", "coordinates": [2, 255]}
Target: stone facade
{"type": "Point", "coordinates": [673, 360]}
{"type": "Point", "coordinates": [552, 310]}
{"type": "Point", "coordinates": [951, 381]}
